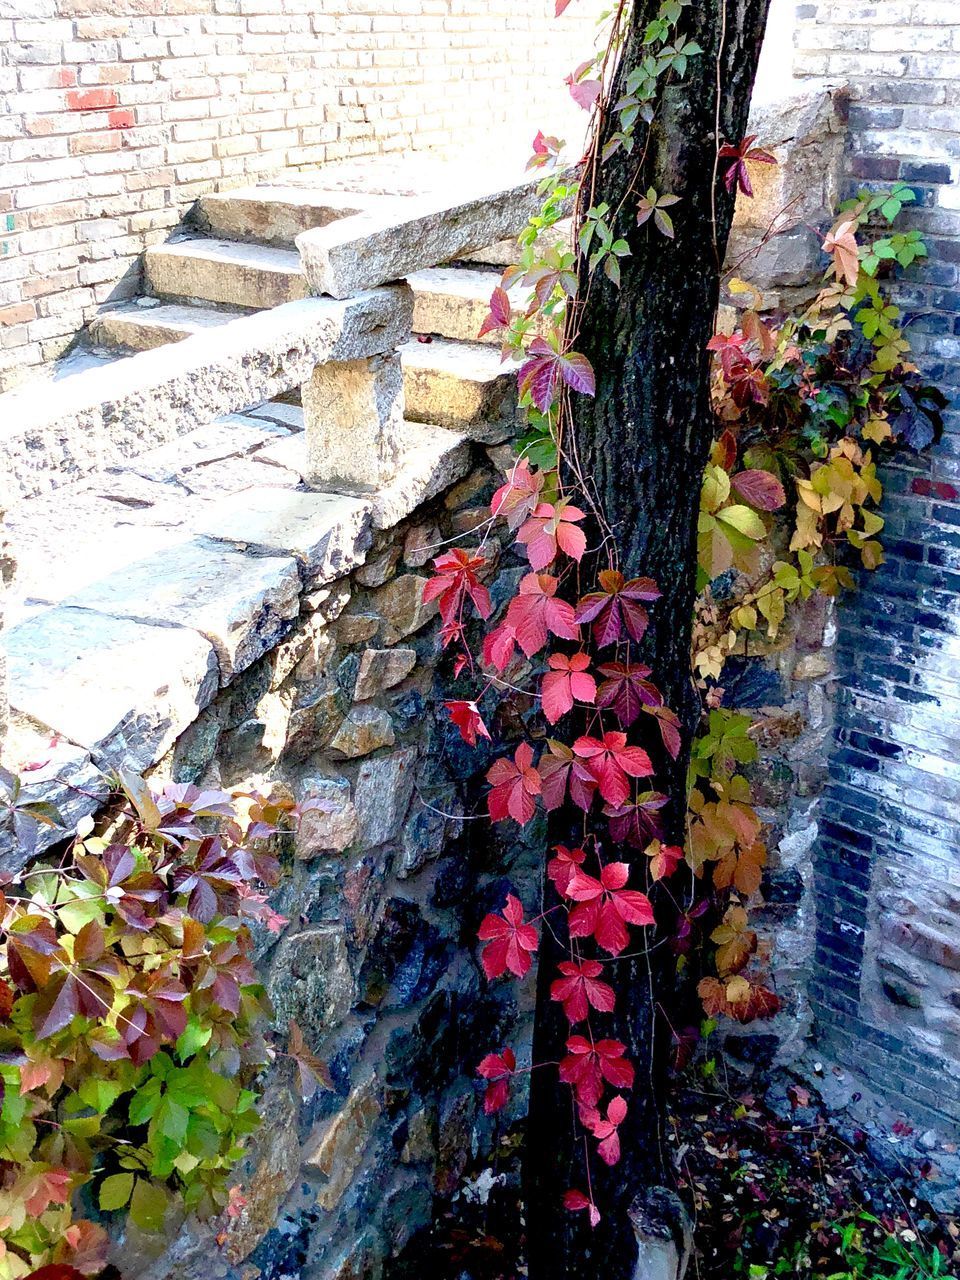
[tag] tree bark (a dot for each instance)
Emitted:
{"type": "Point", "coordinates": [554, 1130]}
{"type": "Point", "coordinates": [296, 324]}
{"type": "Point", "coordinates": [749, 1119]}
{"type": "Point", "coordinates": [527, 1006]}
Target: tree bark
{"type": "Point", "coordinates": [643, 443]}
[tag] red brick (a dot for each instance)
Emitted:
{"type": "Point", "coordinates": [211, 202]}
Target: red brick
{"type": "Point", "coordinates": [120, 119]}
{"type": "Point", "coordinates": [91, 99]}
{"type": "Point", "coordinates": [66, 78]}
{"type": "Point", "coordinates": [19, 313]}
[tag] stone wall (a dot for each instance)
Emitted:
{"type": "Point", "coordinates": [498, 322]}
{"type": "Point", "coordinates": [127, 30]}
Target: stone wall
{"type": "Point", "coordinates": [887, 988]}
{"type": "Point", "coordinates": [384, 895]}
{"type": "Point", "coordinates": [116, 115]}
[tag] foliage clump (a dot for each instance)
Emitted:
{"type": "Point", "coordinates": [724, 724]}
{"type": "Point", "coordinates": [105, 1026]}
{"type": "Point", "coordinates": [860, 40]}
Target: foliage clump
{"type": "Point", "coordinates": [133, 1024]}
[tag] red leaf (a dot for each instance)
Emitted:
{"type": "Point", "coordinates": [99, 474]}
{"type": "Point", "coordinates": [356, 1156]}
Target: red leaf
{"type": "Point", "coordinates": [576, 1200]}
{"type": "Point", "coordinates": [540, 375]}
{"type": "Point", "coordinates": [550, 528]}
{"type": "Point", "coordinates": [517, 498]}
{"type": "Point", "coordinates": [561, 6]}
{"type": "Point", "coordinates": [567, 681]}
{"type": "Point", "coordinates": [583, 92]}
{"type": "Point", "coordinates": [610, 760]}
{"type": "Point", "coordinates": [664, 859]}
{"type": "Point", "coordinates": [56, 1271]}
{"type": "Point", "coordinates": [454, 579]}
{"type": "Point", "coordinates": [498, 646]}
{"type": "Point", "coordinates": [500, 313]}
{"type": "Point", "coordinates": [606, 907]}
{"type": "Point", "coordinates": [510, 942]}
{"type": "Point", "coordinates": [562, 867]}
{"type": "Point", "coordinates": [760, 489]}
{"type": "Point", "coordinates": [588, 1064]}
{"type": "Point", "coordinates": [535, 613]}
{"type": "Point", "coordinates": [627, 690]}
{"type": "Point", "coordinates": [497, 1068]}
{"type": "Point", "coordinates": [468, 720]}
{"type": "Point", "coordinates": [515, 785]}
{"type": "Point", "coordinates": [615, 608]}
{"type": "Point", "coordinates": [579, 989]}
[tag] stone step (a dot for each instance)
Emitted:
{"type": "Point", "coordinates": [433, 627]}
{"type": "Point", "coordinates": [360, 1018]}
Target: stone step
{"type": "Point", "coordinates": [276, 215]}
{"type": "Point", "coordinates": [140, 327]}
{"type": "Point", "coordinates": [453, 302]}
{"type": "Point", "coordinates": [460, 385]}
{"type": "Point", "coordinates": [238, 275]}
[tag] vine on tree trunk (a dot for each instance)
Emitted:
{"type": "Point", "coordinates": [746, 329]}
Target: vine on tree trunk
{"type": "Point", "coordinates": [795, 400]}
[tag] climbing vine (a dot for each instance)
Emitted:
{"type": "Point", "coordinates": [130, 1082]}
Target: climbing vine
{"type": "Point", "coordinates": [803, 406]}
{"type": "Point", "coordinates": [133, 1025]}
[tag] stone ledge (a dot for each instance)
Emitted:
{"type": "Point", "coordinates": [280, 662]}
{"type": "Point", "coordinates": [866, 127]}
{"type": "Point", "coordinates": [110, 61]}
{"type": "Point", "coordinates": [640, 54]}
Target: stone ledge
{"type": "Point", "coordinates": [372, 247]}
{"type": "Point", "coordinates": [53, 434]}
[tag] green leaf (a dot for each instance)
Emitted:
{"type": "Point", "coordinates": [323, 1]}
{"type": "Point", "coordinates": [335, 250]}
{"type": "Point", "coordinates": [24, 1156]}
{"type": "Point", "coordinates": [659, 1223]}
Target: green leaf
{"type": "Point", "coordinates": [171, 1119]}
{"type": "Point", "coordinates": [115, 1191]}
{"type": "Point", "coordinates": [196, 1037]}
{"type": "Point", "coordinates": [744, 520]}
{"type": "Point", "coordinates": [148, 1204]}
{"type": "Point", "coordinates": [145, 1101]}
{"type": "Point", "coordinates": [100, 1094]}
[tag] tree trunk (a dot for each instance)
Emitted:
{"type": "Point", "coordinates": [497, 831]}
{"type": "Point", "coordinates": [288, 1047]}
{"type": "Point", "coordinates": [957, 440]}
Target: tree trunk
{"type": "Point", "coordinates": [643, 444]}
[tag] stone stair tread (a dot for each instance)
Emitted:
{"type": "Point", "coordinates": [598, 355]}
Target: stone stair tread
{"type": "Point", "coordinates": [225, 271]}
{"type": "Point", "coordinates": [141, 328]}
{"type": "Point", "coordinates": [453, 302]}
{"type": "Point", "coordinates": [464, 385]}
{"type": "Point", "coordinates": [277, 213]}
{"type": "Point", "coordinates": [472, 361]}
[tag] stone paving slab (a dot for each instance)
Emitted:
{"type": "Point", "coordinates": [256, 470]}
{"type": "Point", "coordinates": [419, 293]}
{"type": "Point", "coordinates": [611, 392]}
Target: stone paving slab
{"type": "Point", "coordinates": [452, 384]}
{"type": "Point", "coordinates": [328, 535]}
{"type": "Point", "coordinates": [53, 434]}
{"type": "Point", "coordinates": [243, 604]}
{"type": "Point", "coordinates": [122, 690]}
{"type": "Point", "coordinates": [276, 214]}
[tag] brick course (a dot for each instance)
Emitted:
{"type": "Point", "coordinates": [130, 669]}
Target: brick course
{"type": "Point", "coordinates": [886, 992]}
{"type": "Point", "coordinates": [119, 114]}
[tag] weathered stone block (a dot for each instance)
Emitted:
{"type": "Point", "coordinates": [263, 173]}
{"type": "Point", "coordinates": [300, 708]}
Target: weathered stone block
{"type": "Point", "coordinates": [353, 414]}
{"type": "Point", "coordinates": [331, 831]}
{"type": "Point", "coordinates": [335, 1149]}
{"type": "Point", "coordinates": [382, 795]}
{"type": "Point", "coordinates": [326, 534]}
{"type": "Point", "coordinates": [364, 730]}
{"type": "Point", "coordinates": [355, 253]}
{"type": "Point", "coordinates": [311, 981]}
{"type": "Point", "coordinates": [400, 604]}
{"type": "Point", "coordinates": [381, 669]}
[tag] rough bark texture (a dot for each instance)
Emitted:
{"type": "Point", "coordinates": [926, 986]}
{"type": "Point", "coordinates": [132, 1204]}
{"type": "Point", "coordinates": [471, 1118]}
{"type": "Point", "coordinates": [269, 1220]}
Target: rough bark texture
{"type": "Point", "coordinates": [643, 442]}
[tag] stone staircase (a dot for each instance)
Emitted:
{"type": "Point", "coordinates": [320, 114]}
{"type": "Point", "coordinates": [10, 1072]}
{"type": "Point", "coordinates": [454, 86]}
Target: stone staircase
{"type": "Point", "coordinates": [451, 378]}
{"type": "Point", "coordinates": [177, 508]}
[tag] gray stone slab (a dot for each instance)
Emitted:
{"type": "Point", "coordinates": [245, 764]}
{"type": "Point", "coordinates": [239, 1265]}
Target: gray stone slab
{"type": "Point", "coordinates": [457, 384]}
{"type": "Point", "coordinates": [140, 328]}
{"type": "Point", "coordinates": [327, 534]}
{"type": "Point", "coordinates": [243, 604]}
{"type": "Point", "coordinates": [229, 437]}
{"type": "Point", "coordinates": [122, 690]}
{"type": "Point", "coordinates": [434, 458]}
{"type": "Point", "coordinates": [52, 435]}
{"type": "Point", "coordinates": [370, 248]}
{"type": "Point", "coordinates": [222, 271]}
{"type": "Point", "coordinates": [72, 538]}
{"type": "Point", "coordinates": [275, 214]}
{"type": "Point", "coordinates": [60, 774]}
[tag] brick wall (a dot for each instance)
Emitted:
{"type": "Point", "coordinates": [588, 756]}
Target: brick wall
{"type": "Point", "coordinates": [887, 990]}
{"type": "Point", "coordinates": [115, 115]}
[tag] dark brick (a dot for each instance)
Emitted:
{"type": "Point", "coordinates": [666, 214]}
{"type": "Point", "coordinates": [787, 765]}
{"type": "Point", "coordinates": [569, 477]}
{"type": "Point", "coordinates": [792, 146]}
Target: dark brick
{"type": "Point", "coordinates": [924, 171]}
{"type": "Point", "coordinates": [876, 118]}
{"type": "Point", "coordinates": [878, 168]}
